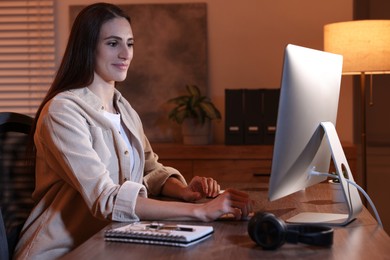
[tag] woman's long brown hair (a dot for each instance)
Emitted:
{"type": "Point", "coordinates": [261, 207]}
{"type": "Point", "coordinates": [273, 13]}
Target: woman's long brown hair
{"type": "Point", "coordinates": [78, 63]}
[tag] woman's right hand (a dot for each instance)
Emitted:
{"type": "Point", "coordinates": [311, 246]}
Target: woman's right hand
{"type": "Point", "coordinates": [234, 202]}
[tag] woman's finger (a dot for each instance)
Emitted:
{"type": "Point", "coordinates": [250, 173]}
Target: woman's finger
{"type": "Point", "coordinates": [213, 187]}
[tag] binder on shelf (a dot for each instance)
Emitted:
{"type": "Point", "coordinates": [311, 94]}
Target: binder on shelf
{"type": "Point", "coordinates": [271, 106]}
{"type": "Point", "coordinates": [251, 116]}
{"type": "Point", "coordinates": [234, 113]}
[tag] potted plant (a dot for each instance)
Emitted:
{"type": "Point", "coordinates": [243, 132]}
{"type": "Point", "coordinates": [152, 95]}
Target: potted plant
{"type": "Point", "coordinates": [194, 111]}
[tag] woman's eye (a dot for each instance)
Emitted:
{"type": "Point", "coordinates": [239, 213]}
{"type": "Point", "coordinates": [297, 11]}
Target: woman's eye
{"type": "Point", "coordinates": [113, 44]}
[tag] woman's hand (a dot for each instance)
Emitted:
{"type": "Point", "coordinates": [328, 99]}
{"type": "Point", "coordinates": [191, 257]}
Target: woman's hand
{"type": "Point", "coordinates": [201, 187]}
{"type": "Point", "coordinates": [234, 202]}
{"type": "Point", "coordinates": [198, 188]}
{"type": "Point", "coordinates": [231, 202]}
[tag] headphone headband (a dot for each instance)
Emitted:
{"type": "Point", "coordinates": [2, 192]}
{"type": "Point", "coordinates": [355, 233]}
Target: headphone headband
{"type": "Point", "coordinates": [310, 234]}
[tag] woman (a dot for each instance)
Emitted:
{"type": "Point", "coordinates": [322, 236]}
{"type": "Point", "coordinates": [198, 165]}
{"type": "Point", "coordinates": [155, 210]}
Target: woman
{"type": "Point", "coordinates": [93, 162]}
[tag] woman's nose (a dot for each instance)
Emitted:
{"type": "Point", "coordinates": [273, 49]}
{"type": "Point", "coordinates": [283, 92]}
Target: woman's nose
{"type": "Point", "coordinates": [126, 52]}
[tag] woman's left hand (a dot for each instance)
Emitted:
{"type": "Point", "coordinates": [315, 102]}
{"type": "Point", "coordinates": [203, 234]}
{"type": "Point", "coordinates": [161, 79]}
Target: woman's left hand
{"type": "Point", "coordinates": [201, 187]}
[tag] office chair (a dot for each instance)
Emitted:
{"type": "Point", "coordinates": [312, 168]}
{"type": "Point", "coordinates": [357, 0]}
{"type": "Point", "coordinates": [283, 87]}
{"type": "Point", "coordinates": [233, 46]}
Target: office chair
{"type": "Point", "coordinates": [17, 179]}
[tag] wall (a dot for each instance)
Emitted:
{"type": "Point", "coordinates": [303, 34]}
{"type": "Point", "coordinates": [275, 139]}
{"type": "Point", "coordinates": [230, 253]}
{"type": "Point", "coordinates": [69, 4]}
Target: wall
{"type": "Point", "coordinates": [246, 40]}
{"type": "Point", "coordinates": [378, 128]}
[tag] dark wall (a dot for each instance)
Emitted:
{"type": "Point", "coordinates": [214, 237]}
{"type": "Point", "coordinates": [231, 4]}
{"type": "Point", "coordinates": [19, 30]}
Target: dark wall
{"type": "Point", "coordinates": [377, 122]}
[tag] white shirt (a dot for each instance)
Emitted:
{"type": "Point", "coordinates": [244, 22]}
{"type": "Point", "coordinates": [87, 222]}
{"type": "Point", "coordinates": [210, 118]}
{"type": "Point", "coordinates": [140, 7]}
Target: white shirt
{"type": "Point", "coordinates": [116, 121]}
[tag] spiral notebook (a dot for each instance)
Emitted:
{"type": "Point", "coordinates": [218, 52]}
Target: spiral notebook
{"type": "Point", "coordinates": [159, 234]}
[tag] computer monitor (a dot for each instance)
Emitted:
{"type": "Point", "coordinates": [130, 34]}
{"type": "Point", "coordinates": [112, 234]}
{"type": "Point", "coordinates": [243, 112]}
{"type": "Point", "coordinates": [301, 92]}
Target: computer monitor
{"type": "Point", "coordinates": [306, 138]}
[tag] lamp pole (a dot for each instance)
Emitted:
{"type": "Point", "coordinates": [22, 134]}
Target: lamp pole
{"type": "Point", "coordinates": [363, 132]}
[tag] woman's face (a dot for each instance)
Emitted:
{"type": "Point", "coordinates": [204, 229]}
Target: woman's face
{"type": "Point", "coordinates": [114, 50]}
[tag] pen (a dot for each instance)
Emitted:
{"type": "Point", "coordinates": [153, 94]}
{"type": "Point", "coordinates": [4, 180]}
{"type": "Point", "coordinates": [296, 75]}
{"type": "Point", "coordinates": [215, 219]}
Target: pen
{"type": "Point", "coordinates": [169, 227]}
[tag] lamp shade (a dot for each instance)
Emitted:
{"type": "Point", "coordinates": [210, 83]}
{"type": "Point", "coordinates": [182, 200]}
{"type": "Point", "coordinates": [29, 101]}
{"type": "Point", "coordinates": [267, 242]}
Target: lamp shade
{"type": "Point", "coordinates": [364, 44]}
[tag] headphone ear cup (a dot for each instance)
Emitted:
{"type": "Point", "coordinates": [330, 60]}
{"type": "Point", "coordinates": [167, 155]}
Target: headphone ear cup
{"type": "Point", "coordinates": [267, 231]}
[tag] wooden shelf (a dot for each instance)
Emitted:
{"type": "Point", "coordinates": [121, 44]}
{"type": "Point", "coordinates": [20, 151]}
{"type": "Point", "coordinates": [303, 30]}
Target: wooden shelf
{"type": "Point", "coordinates": [227, 162]}
{"type": "Point", "coordinates": [212, 152]}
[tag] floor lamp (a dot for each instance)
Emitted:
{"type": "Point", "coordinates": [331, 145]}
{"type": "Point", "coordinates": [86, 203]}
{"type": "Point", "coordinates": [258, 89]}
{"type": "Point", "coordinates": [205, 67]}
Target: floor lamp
{"type": "Point", "coordinates": [365, 46]}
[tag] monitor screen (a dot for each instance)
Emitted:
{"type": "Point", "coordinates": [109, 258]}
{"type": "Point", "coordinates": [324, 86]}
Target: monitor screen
{"type": "Point", "coordinates": [309, 95]}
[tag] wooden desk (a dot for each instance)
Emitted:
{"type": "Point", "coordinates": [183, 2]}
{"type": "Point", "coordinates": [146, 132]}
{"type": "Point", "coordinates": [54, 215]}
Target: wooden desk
{"type": "Point", "coordinates": [361, 239]}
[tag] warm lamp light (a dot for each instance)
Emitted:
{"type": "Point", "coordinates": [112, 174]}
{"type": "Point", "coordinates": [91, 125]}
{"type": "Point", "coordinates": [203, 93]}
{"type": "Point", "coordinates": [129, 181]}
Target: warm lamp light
{"type": "Point", "coordinates": [365, 46]}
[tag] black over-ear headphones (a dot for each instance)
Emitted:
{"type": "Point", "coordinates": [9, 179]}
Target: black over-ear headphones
{"type": "Point", "coordinates": [271, 232]}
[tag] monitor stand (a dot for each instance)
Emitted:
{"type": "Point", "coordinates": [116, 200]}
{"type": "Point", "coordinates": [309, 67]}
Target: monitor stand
{"type": "Point", "coordinates": [351, 194]}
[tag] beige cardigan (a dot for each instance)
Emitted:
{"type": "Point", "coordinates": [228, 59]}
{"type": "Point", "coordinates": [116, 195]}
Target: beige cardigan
{"type": "Point", "coordinates": [83, 176]}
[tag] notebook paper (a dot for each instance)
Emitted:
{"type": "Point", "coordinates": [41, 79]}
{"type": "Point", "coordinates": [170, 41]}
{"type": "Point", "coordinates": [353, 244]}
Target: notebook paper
{"type": "Point", "coordinates": [159, 234]}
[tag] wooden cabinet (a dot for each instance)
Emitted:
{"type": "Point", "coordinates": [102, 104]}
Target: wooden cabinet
{"type": "Point", "coordinates": [225, 163]}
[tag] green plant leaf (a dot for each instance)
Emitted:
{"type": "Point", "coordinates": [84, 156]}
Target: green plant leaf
{"type": "Point", "coordinates": [210, 110]}
{"type": "Point", "coordinates": [193, 105]}
{"type": "Point", "coordinates": [193, 90]}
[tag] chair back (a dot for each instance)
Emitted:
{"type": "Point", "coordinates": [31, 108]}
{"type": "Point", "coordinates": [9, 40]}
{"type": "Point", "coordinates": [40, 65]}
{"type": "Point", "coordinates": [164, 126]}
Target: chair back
{"type": "Point", "coordinates": [17, 179]}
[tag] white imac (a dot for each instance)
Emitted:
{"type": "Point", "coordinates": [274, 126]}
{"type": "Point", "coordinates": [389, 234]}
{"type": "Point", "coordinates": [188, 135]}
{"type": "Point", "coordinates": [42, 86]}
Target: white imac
{"type": "Point", "coordinates": [306, 138]}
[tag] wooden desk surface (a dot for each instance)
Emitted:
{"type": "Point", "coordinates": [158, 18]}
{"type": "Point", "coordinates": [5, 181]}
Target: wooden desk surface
{"type": "Point", "coordinates": [361, 239]}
